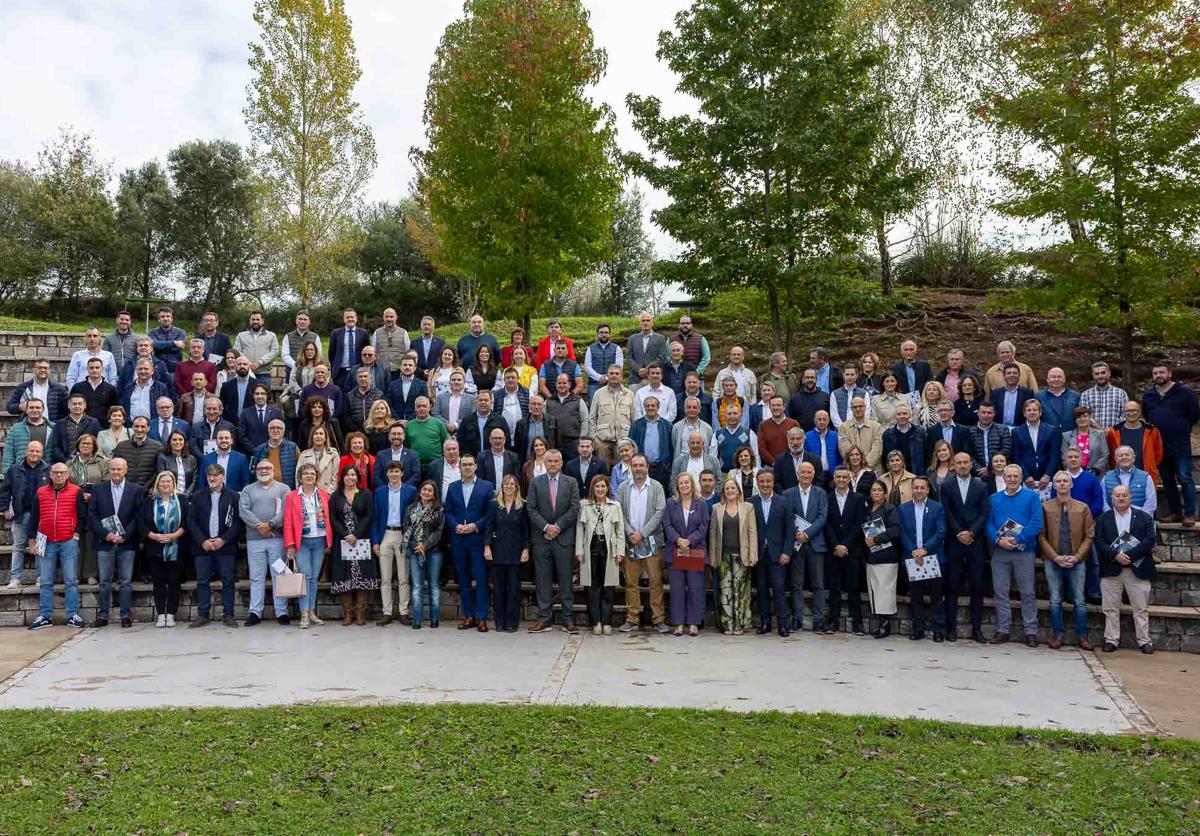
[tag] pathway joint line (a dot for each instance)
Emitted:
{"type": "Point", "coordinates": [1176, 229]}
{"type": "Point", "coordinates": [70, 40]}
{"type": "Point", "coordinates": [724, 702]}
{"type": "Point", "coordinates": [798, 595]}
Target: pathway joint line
{"type": "Point", "coordinates": [1137, 716]}
{"type": "Point", "coordinates": [45, 659]}
{"type": "Point", "coordinates": [557, 677]}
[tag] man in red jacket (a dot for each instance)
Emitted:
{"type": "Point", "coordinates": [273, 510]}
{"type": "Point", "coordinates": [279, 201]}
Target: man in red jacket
{"type": "Point", "coordinates": [57, 518]}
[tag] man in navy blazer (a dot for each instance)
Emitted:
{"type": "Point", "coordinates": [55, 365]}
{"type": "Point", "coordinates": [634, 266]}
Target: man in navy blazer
{"type": "Point", "coordinates": [958, 436]}
{"type": "Point", "coordinates": [1036, 447]}
{"type": "Point", "coordinates": [965, 500]}
{"type": "Point", "coordinates": [509, 463]}
{"type": "Point", "coordinates": [787, 466]}
{"type": "Point", "coordinates": [238, 384]}
{"type": "Point", "coordinates": [235, 464]}
{"type": "Point", "coordinates": [773, 519]}
{"type": "Point", "coordinates": [390, 515]}
{"type": "Point", "coordinates": [345, 346]}
{"type": "Point", "coordinates": [403, 391]}
{"type": "Point", "coordinates": [660, 455]}
{"type": "Point", "coordinates": [922, 536]}
{"type": "Point", "coordinates": [1010, 398]}
{"type": "Point", "coordinates": [203, 438]}
{"type": "Point", "coordinates": [586, 465]}
{"type": "Point", "coordinates": [846, 549]}
{"type": "Point", "coordinates": [469, 504]}
{"type": "Point", "coordinates": [116, 540]}
{"type": "Point", "coordinates": [396, 451]}
{"type": "Point", "coordinates": [165, 419]}
{"type": "Point", "coordinates": [214, 543]}
{"type": "Point", "coordinates": [255, 419]}
{"type": "Point", "coordinates": [921, 371]}
{"type": "Point", "coordinates": [154, 390]}
{"type": "Point", "coordinates": [809, 505]}
{"type": "Point", "coordinates": [427, 346]}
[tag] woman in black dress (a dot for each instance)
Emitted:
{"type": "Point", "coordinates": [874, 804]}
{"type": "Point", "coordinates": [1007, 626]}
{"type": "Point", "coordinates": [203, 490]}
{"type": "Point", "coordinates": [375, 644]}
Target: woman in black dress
{"type": "Point", "coordinates": [966, 407]}
{"type": "Point", "coordinates": [482, 374]}
{"type": "Point", "coordinates": [506, 549]}
{"type": "Point", "coordinates": [354, 571]}
{"type": "Point", "coordinates": [883, 558]}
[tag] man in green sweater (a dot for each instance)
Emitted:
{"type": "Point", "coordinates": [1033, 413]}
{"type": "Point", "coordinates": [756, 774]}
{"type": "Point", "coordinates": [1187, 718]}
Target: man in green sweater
{"type": "Point", "coordinates": [425, 433]}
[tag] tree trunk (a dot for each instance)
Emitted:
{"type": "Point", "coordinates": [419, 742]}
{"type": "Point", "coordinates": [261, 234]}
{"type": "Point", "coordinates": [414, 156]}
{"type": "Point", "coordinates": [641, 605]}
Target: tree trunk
{"type": "Point", "coordinates": [776, 321]}
{"type": "Point", "coordinates": [885, 257]}
{"type": "Point", "coordinates": [1126, 345]}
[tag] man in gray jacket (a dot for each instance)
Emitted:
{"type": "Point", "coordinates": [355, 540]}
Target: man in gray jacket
{"type": "Point", "coordinates": [553, 507]}
{"type": "Point", "coordinates": [643, 503]}
{"type": "Point", "coordinates": [643, 348]}
{"type": "Point", "coordinates": [261, 510]}
{"type": "Point", "coordinates": [258, 345]}
{"type": "Point", "coordinates": [695, 459]}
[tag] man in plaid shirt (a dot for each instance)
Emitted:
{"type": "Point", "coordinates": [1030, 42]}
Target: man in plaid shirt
{"type": "Point", "coordinates": [1107, 402]}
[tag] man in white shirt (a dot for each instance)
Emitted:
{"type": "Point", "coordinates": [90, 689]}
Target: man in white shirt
{"type": "Point", "coordinates": [841, 399]}
{"type": "Point", "coordinates": [389, 547]}
{"type": "Point", "coordinates": [450, 468]}
{"type": "Point", "coordinates": [77, 370]}
{"type": "Point", "coordinates": [142, 391]}
{"type": "Point", "coordinates": [509, 401]}
{"type": "Point", "coordinates": [654, 388]}
{"type": "Point", "coordinates": [747, 384]}
{"type": "Point", "coordinates": [454, 405]}
{"type": "Point", "coordinates": [691, 422]}
{"type": "Point", "coordinates": [301, 335]}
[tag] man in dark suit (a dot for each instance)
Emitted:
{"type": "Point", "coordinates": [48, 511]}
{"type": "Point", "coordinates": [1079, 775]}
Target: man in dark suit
{"type": "Point", "coordinates": [956, 435]}
{"type": "Point", "coordinates": [1036, 447]}
{"type": "Point", "coordinates": [587, 465]}
{"type": "Point", "coordinates": [908, 438]}
{"type": "Point", "coordinates": [652, 435]}
{"type": "Point", "coordinates": [396, 451]}
{"type": "Point", "coordinates": [807, 401]}
{"type": "Point", "coordinates": [114, 512]}
{"type": "Point", "coordinates": [444, 470]}
{"type": "Point", "coordinates": [67, 431]}
{"type": "Point", "coordinates": [214, 539]}
{"type": "Point", "coordinates": [845, 549]}
{"type": "Point", "coordinates": [237, 392]}
{"type": "Point", "coordinates": [965, 501]}
{"type": "Point", "coordinates": [235, 465]}
{"type": "Point", "coordinates": [427, 346]}
{"type": "Point", "coordinates": [474, 429]}
{"type": "Point", "coordinates": [254, 420]}
{"type": "Point", "coordinates": [537, 423]}
{"type": "Point", "coordinates": [164, 423]}
{"type": "Point", "coordinates": [809, 505]}
{"type": "Point", "coordinates": [774, 523]}
{"type": "Point", "coordinates": [693, 387]}
{"type": "Point", "coordinates": [553, 507]}
{"type": "Point", "coordinates": [987, 439]}
{"type": "Point", "coordinates": [1010, 398]}
{"type": "Point", "coordinates": [1125, 567]}
{"type": "Point", "coordinates": [141, 395]}
{"type": "Point", "coordinates": [469, 504]}
{"type": "Point", "coordinates": [498, 461]}
{"type": "Point", "coordinates": [787, 466]}
{"type": "Point", "coordinates": [922, 535]}
{"type": "Point", "coordinates": [403, 391]}
{"type": "Point", "coordinates": [203, 439]}
{"type": "Point", "coordinates": [911, 374]}
{"type": "Point", "coordinates": [345, 347]}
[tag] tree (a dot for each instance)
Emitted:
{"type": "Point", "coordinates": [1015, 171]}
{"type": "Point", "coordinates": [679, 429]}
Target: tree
{"type": "Point", "coordinates": [626, 274]}
{"type": "Point", "coordinates": [23, 259]}
{"type": "Point", "coordinates": [144, 206]}
{"type": "Point", "coordinates": [1104, 132]}
{"type": "Point", "coordinates": [314, 153]}
{"type": "Point", "coordinates": [767, 182]}
{"type": "Point", "coordinates": [520, 171]}
{"type": "Point", "coordinates": [214, 229]}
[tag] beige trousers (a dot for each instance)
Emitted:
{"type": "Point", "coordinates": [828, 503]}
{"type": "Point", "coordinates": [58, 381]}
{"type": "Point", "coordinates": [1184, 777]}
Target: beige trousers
{"type": "Point", "coordinates": [653, 567]}
{"type": "Point", "coordinates": [391, 553]}
{"type": "Point", "coordinates": [1138, 591]}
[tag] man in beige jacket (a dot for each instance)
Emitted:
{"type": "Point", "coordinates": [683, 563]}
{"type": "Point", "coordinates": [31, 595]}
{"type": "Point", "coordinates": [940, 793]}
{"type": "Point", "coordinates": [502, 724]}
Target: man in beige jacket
{"type": "Point", "coordinates": [862, 431]}
{"type": "Point", "coordinates": [612, 415]}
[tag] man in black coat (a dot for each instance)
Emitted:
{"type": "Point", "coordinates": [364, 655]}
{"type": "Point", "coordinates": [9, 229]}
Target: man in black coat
{"type": "Point", "coordinates": [67, 431]}
{"type": "Point", "coordinates": [214, 539]}
{"type": "Point", "coordinates": [474, 429]}
{"type": "Point", "coordinates": [787, 466]}
{"type": "Point", "coordinates": [773, 517]}
{"type": "Point", "coordinates": [845, 549]}
{"type": "Point", "coordinates": [255, 419]}
{"type": "Point", "coordinates": [1125, 539]}
{"type": "Point", "coordinates": [911, 374]}
{"type": "Point", "coordinates": [114, 513]}
{"type": "Point", "coordinates": [965, 500]}
{"type": "Point", "coordinates": [498, 461]}
{"type": "Point", "coordinates": [586, 465]}
{"type": "Point", "coordinates": [98, 393]}
{"type": "Point", "coordinates": [808, 401]}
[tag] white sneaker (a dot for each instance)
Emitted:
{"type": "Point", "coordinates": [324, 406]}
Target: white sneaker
{"type": "Point", "coordinates": [162, 621]}
{"type": "Point", "coordinates": [13, 583]}
{"type": "Point", "coordinates": [304, 621]}
{"type": "Point", "coordinates": [312, 617]}
{"type": "Point", "coordinates": [170, 621]}
{"type": "Point", "coordinates": [597, 629]}
{"type": "Point", "coordinates": [608, 629]}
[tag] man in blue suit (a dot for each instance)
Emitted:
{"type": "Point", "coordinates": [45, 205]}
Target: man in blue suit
{"type": "Point", "coordinates": [809, 507]}
{"type": "Point", "coordinates": [965, 501]}
{"type": "Point", "coordinates": [427, 346]}
{"type": "Point", "coordinates": [203, 439]}
{"type": "Point", "coordinates": [773, 518]}
{"type": "Point", "coordinates": [956, 435]}
{"type": "Point", "coordinates": [397, 452]}
{"type": "Point", "coordinates": [237, 390]}
{"type": "Point", "coordinates": [235, 464]}
{"type": "Point", "coordinates": [1036, 447]}
{"type": "Point", "coordinates": [345, 346]}
{"type": "Point", "coordinates": [469, 503]}
{"type": "Point", "coordinates": [255, 419]}
{"type": "Point", "coordinates": [922, 534]}
{"type": "Point", "coordinates": [140, 396]}
{"type": "Point", "coordinates": [165, 422]}
{"type": "Point", "coordinates": [387, 538]}
{"type": "Point", "coordinates": [403, 391]}
{"type": "Point", "coordinates": [1010, 398]}
{"type": "Point", "coordinates": [114, 512]}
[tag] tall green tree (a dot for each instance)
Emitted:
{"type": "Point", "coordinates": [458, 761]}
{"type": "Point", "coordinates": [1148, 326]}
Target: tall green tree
{"type": "Point", "coordinates": [1104, 130]}
{"type": "Point", "coordinates": [521, 167]}
{"type": "Point", "coordinates": [23, 259]}
{"type": "Point", "coordinates": [214, 228]}
{"type": "Point", "coordinates": [627, 274]}
{"type": "Point", "coordinates": [767, 181]}
{"type": "Point", "coordinates": [144, 207]}
{"type": "Point", "coordinates": [313, 151]}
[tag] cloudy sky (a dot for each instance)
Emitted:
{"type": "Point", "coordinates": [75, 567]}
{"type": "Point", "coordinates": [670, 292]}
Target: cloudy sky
{"type": "Point", "coordinates": [143, 76]}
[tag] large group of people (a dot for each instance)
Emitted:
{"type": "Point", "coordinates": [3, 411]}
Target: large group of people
{"type": "Point", "coordinates": [160, 455]}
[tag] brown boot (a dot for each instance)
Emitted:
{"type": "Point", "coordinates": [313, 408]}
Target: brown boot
{"type": "Point", "coordinates": [360, 608]}
{"type": "Point", "coordinates": [347, 608]}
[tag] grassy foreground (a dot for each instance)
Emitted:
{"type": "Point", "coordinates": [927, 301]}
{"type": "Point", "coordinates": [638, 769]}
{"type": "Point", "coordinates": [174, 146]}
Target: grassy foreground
{"type": "Point", "coordinates": [548, 770]}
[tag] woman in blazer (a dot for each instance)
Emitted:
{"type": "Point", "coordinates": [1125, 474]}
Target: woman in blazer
{"type": "Point", "coordinates": [114, 433]}
{"type": "Point", "coordinates": [307, 535]}
{"type": "Point", "coordinates": [1091, 442]}
{"type": "Point", "coordinates": [733, 552]}
{"type": "Point", "coordinates": [506, 550]}
{"type": "Point", "coordinates": [350, 509]}
{"type": "Point", "coordinates": [883, 558]}
{"type": "Point", "coordinates": [883, 405]}
{"type": "Point", "coordinates": [536, 465]}
{"type": "Point", "coordinates": [164, 519]}
{"type": "Point", "coordinates": [176, 458]}
{"type": "Point", "coordinates": [897, 480]}
{"type": "Point", "coordinates": [745, 471]}
{"type": "Point", "coordinates": [861, 476]}
{"type": "Point", "coordinates": [324, 458]}
{"type": "Point", "coordinates": [685, 526]}
{"type": "Point", "coordinates": [966, 407]}
{"type": "Point", "coordinates": [600, 551]}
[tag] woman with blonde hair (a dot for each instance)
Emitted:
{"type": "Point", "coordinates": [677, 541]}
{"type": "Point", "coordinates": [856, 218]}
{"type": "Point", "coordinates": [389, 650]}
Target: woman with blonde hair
{"type": "Point", "coordinates": [897, 479]}
{"type": "Point", "coordinates": [940, 468]}
{"type": "Point", "coordinates": [307, 535]}
{"type": "Point", "coordinates": [685, 526]}
{"type": "Point", "coordinates": [600, 551]}
{"type": "Point", "coordinates": [164, 519]}
{"type": "Point", "coordinates": [379, 422]}
{"type": "Point", "coordinates": [925, 408]}
{"type": "Point", "coordinates": [526, 373]}
{"type": "Point", "coordinates": [506, 550]}
{"type": "Point", "coordinates": [301, 375]}
{"type": "Point", "coordinates": [871, 378]}
{"type": "Point", "coordinates": [733, 552]}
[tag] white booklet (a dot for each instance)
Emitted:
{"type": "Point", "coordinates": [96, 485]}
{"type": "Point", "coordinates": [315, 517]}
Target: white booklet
{"type": "Point", "coordinates": [928, 570]}
{"type": "Point", "coordinates": [361, 550]}
{"type": "Point", "coordinates": [40, 545]}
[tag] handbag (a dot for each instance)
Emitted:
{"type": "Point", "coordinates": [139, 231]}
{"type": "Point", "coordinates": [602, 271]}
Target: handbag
{"type": "Point", "coordinates": [291, 585]}
{"type": "Point", "coordinates": [688, 560]}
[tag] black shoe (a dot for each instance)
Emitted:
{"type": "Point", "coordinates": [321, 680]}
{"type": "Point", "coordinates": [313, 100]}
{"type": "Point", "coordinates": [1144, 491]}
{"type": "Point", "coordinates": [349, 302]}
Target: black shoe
{"type": "Point", "coordinates": [1109, 647]}
{"type": "Point", "coordinates": [916, 635]}
{"type": "Point", "coordinates": [433, 625]}
{"type": "Point", "coordinates": [1148, 649]}
{"type": "Point", "coordinates": [883, 630]}
{"type": "Point", "coordinates": [977, 636]}
{"type": "Point", "coordinates": [938, 638]}
{"type": "Point", "coordinates": [763, 629]}
{"type": "Point", "coordinates": [1031, 641]}
{"type": "Point", "coordinates": [952, 636]}
{"type": "Point", "coordinates": [283, 619]}
{"type": "Point", "coordinates": [253, 619]}
{"type": "Point", "coordinates": [1093, 599]}
{"type": "Point", "coordinates": [404, 619]}
{"type": "Point", "coordinates": [416, 626]}
{"type": "Point", "coordinates": [512, 629]}
{"type": "Point", "coordinates": [784, 632]}
{"type": "Point", "coordinates": [126, 621]}
{"type": "Point", "coordinates": [857, 629]}
{"type": "Point", "coordinates": [830, 629]}
{"type": "Point", "coordinates": [101, 621]}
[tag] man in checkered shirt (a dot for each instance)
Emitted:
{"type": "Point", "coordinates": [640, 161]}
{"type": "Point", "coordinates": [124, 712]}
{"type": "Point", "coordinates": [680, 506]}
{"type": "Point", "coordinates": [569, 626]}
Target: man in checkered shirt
{"type": "Point", "coordinates": [1107, 402]}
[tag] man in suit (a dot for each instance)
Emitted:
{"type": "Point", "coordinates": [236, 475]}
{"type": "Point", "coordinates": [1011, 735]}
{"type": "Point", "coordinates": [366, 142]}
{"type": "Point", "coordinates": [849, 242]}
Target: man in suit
{"type": "Point", "coordinates": [476, 426]}
{"type": "Point", "coordinates": [643, 503]}
{"type": "Point", "coordinates": [1010, 398]}
{"type": "Point", "coordinates": [67, 431]}
{"type": "Point", "coordinates": [538, 423]}
{"type": "Point", "coordinates": [254, 420]}
{"type": "Point", "coordinates": [236, 393]}
{"type": "Point", "coordinates": [643, 348]}
{"type": "Point", "coordinates": [455, 405]}
{"type": "Point", "coordinates": [235, 465]}
{"type": "Point", "coordinates": [140, 396]}
{"type": "Point", "coordinates": [553, 507]}
{"type": "Point", "coordinates": [498, 461]}
{"type": "Point", "coordinates": [922, 535]}
{"type": "Point", "coordinates": [965, 502]}
{"type": "Point", "coordinates": [773, 519]}
{"type": "Point", "coordinates": [446, 469]}
{"type": "Point", "coordinates": [214, 523]}
{"type": "Point", "coordinates": [987, 439]}
{"type": "Point", "coordinates": [809, 506]}
{"type": "Point", "coordinates": [1035, 447]}
{"type": "Point", "coordinates": [787, 466]}
{"type": "Point", "coordinates": [164, 423]}
{"type": "Point", "coordinates": [1065, 542]}
{"type": "Point", "coordinates": [694, 459]}
{"type": "Point", "coordinates": [381, 377]}
{"type": "Point", "coordinates": [908, 438]}
{"type": "Point", "coordinates": [586, 465]}
{"type": "Point", "coordinates": [427, 346]}
{"type": "Point", "coordinates": [956, 435]}
{"type": "Point", "coordinates": [203, 439]}
{"type": "Point", "coordinates": [397, 452]}
{"type": "Point", "coordinates": [114, 512]}
{"type": "Point", "coordinates": [1125, 567]}
{"type": "Point", "coordinates": [403, 391]}
{"type": "Point", "coordinates": [345, 346]}
{"type": "Point", "coordinates": [469, 503]}
{"type": "Point", "coordinates": [846, 549]}
{"type": "Point", "coordinates": [652, 435]}
{"type": "Point", "coordinates": [911, 374]}
{"type": "Point", "coordinates": [387, 540]}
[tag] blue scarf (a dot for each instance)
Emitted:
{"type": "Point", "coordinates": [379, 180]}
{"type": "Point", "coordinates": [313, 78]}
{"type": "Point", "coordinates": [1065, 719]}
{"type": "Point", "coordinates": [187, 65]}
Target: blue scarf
{"type": "Point", "coordinates": [166, 520]}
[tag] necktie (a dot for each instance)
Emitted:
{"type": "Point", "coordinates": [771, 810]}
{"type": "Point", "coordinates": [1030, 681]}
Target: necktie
{"type": "Point", "coordinates": [262, 415]}
{"type": "Point", "coordinates": [164, 431]}
{"type": "Point", "coordinates": [1064, 533]}
{"type": "Point", "coordinates": [553, 494]}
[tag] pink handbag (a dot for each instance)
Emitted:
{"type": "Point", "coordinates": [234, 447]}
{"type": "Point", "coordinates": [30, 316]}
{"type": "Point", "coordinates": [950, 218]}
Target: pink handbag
{"type": "Point", "coordinates": [293, 585]}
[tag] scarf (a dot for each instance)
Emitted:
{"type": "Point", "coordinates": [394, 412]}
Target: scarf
{"type": "Point", "coordinates": [166, 520]}
{"type": "Point", "coordinates": [421, 518]}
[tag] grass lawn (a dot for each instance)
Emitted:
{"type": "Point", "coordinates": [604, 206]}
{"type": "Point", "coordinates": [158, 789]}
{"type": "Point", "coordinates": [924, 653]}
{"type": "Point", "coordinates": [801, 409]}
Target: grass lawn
{"type": "Point", "coordinates": [552, 770]}
{"type": "Point", "coordinates": [13, 323]}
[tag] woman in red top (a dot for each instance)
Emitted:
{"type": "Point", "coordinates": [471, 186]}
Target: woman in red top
{"type": "Point", "coordinates": [357, 455]}
{"type": "Point", "coordinates": [516, 338]}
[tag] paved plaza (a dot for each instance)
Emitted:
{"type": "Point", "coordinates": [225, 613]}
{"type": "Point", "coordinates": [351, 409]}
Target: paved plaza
{"type": "Point", "coordinates": [147, 667]}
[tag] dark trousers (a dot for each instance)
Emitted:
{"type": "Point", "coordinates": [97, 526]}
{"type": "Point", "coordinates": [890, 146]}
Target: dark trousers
{"type": "Point", "coordinates": [166, 576]}
{"type": "Point", "coordinates": [806, 561]}
{"type": "Point", "coordinates": [661, 473]}
{"type": "Point", "coordinates": [599, 596]}
{"type": "Point", "coordinates": [469, 565]}
{"type": "Point", "coordinates": [843, 573]}
{"type": "Point", "coordinates": [963, 560]}
{"type": "Point", "coordinates": [1177, 478]}
{"type": "Point", "coordinates": [553, 558]}
{"type": "Point", "coordinates": [770, 579]}
{"type": "Point", "coordinates": [506, 594]}
{"type": "Point", "coordinates": [206, 564]}
{"type": "Point", "coordinates": [917, 590]}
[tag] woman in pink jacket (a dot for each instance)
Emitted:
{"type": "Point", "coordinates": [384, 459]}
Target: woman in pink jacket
{"type": "Point", "coordinates": [307, 535]}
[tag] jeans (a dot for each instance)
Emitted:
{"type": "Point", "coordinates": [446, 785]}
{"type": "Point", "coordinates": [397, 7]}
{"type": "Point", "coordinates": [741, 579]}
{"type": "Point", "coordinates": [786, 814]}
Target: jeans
{"type": "Point", "coordinates": [65, 553]}
{"type": "Point", "coordinates": [309, 558]}
{"type": "Point", "coordinates": [206, 562]}
{"type": "Point", "coordinates": [430, 569]}
{"type": "Point", "coordinates": [1176, 472]}
{"type": "Point", "coordinates": [261, 554]}
{"type": "Point", "coordinates": [1057, 578]}
{"type": "Point", "coordinates": [20, 538]}
{"type": "Point", "coordinates": [120, 560]}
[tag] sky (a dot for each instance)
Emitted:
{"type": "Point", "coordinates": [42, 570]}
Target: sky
{"type": "Point", "coordinates": [143, 76]}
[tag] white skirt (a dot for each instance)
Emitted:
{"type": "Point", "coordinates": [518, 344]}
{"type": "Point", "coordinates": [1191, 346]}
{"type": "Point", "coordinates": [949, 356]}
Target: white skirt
{"type": "Point", "coordinates": [881, 583]}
